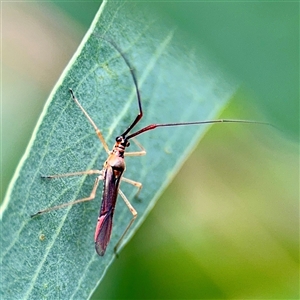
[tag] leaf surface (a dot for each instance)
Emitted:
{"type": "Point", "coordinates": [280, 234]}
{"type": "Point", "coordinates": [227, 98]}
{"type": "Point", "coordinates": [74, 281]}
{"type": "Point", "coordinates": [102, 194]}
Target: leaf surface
{"type": "Point", "coordinates": [52, 255]}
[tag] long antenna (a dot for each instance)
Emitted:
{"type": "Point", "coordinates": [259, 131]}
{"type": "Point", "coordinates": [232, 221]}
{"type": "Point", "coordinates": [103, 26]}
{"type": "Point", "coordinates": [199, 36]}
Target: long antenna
{"type": "Point", "coordinates": [140, 114]}
{"type": "Point", "coordinates": [153, 126]}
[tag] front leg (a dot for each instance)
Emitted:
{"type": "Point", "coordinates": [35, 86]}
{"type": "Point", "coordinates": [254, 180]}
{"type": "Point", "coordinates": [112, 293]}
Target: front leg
{"type": "Point", "coordinates": [137, 153]}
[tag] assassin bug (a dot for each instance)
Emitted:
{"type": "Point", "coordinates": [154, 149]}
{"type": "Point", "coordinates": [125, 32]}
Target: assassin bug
{"type": "Point", "coordinates": [114, 167]}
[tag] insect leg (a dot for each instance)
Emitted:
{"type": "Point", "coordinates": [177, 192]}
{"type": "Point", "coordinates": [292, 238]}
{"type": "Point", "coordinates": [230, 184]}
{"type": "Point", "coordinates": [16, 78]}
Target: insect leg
{"type": "Point", "coordinates": [137, 153]}
{"type": "Point", "coordinates": [88, 172]}
{"type": "Point", "coordinates": [135, 183]}
{"type": "Point", "coordinates": [91, 197]}
{"type": "Point", "coordinates": [134, 215]}
{"type": "Point", "coordinates": [98, 132]}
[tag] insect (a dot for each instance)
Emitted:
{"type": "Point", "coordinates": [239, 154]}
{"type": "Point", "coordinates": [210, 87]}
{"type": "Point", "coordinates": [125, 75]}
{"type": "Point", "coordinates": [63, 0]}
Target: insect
{"type": "Point", "coordinates": [113, 169]}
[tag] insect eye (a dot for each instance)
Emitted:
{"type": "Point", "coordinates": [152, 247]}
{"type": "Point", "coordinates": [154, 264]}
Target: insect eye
{"type": "Point", "coordinates": [128, 144]}
{"type": "Point", "coordinates": [119, 139]}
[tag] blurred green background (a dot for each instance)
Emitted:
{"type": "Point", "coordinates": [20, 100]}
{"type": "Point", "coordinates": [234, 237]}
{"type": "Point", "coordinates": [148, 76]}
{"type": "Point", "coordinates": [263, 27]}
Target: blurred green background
{"type": "Point", "coordinates": [228, 225]}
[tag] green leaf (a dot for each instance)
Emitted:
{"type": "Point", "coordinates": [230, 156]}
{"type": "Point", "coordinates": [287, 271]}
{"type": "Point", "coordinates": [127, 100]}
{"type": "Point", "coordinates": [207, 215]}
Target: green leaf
{"type": "Point", "coordinates": [53, 255]}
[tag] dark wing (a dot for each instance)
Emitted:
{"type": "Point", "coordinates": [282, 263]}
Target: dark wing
{"type": "Point", "coordinates": [103, 232]}
{"type": "Point", "coordinates": [104, 225]}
